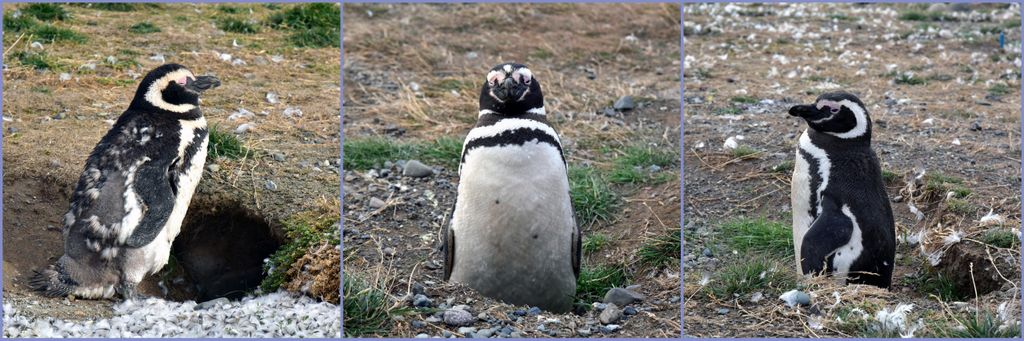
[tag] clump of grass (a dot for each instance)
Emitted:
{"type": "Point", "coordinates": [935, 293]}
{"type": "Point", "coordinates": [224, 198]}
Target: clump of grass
{"type": "Point", "coordinates": [45, 11]}
{"type": "Point", "coordinates": [591, 196]}
{"type": "Point", "coordinates": [366, 307]}
{"type": "Point", "coordinates": [784, 167]}
{"type": "Point", "coordinates": [595, 281]}
{"type": "Point", "coordinates": [235, 25]}
{"type": "Point", "coordinates": [49, 34]}
{"type": "Point", "coordinates": [980, 325]}
{"type": "Point", "coordinates": [744, 100]}
{"type": "Point", "coordinates": [759, 235]}
{"type": "Point", "coordinates": [662, 250]}
{"type": "Point", "coordinates": [1000, 238]}
{"type": "Point", "coordinates": [304, 229]}
{"type": "Point", "coordinates": [909, 79]}
{"type": "Point", "coordinates": [144, 27]}
{"type": "Point", "coordinates": [115, 6]}
{"type": "Point", "coordinates": [635, 162]}
{"type": "Point", "coordinates": [743, 152]}
{"type": "Point", "coordinates": [727, 111]}
{"type": "Point", "coordinates": [313, 24]}
{"type": "Point", "coordinates": [229, 9]}
{"type": "Point", "coordinates": [889, 176]}
{"type": "Point", "coordinates": [757, 274]}
{"type": "Point", "coordinates": [225, 144]}
{"type": "Point", "coordinates": [541, 54]}
{"type": "Point", "coordinates": [959, 206]}
{"type": "Point", "coordinates": [940, 184]}
{"type": "Point", "coordinates": [114, 81]}
{"type": "Point", "coordinates": [366, 153]}
{"type": "Point", "coordinates": [449, 84]}
{"type": "Point", "coordinates": [593, 243]}
{"type": "Point", "coordinates": [18, 23]}
{"type": "Point", "coordinates": [925, 16]}
{"type": "Point", "coordinates": [999, 89]}
{"type": "Point", "coordinates": [38, 61]}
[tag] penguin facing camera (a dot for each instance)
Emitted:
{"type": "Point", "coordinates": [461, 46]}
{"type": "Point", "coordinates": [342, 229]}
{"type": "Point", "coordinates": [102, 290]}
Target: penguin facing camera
{"type": "Point", "coordinates": [513, 233]}
{"type": "Point", "coordinates": [842, 220]}
{"type": "Point", "coordinates": [134, 192]}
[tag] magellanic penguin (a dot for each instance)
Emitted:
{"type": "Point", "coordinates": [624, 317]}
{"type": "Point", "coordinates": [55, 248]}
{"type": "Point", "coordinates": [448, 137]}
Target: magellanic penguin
{"type": "Point", "coordinates": [132, 196]}
{"type": "Point", "coordinates": [842, 221]}
{"type": "Point", "coordinates": [513, 233]}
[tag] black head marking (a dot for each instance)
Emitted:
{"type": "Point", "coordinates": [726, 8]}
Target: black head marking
{"type": "Point", "coordinates": [171, 87]}
{"type": "Point", "coordinates": [510, 89]}
{"type": "Point", "coordinates": [840, 114]}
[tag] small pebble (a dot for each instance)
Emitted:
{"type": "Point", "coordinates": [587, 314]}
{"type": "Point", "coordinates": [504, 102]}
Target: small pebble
{"type": "Point", "coordinates": [271, 185]}
{"type": "Point", "coordinates": [416, 169]}
{"type": "Point", "coordinates": [625, 103]}
{"type": "Point", "coordinates": [623, 297]}
{"type": "Point", "coordinates": [376, 203]}
{"type": "Point", "coordinates": [453, 317]}
{"type": "Point", "coordinates": [422, 301]}
{"type": "Point", "coordinates": [534, 311]}
{"type": "Point", "coordinates": [629, 311]}
{"type": "Point", "coordinates": [723, 311]}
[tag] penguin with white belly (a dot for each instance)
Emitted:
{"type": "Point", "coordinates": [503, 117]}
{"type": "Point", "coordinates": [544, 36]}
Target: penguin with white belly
{"type": "Point", "coordinates": [842, 220]}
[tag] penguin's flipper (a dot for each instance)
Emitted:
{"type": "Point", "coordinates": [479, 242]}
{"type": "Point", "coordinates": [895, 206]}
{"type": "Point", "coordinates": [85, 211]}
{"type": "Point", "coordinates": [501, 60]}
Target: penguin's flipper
{"type": "Point", "coordinates": [156, 188]}
{"type": "Point", "coordinates": [448, 243]}
{"type": "Point", "coordinates": [830, 231]}
{"type": "Point", "coordinates": [577, 244]}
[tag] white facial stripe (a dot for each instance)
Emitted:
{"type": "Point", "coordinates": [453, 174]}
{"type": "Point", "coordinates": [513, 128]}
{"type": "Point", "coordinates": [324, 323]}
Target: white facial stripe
{"type": "Point", "coordinates": [507, 68]}
{"type": "Point", "coordinates": [495, 97]}
{"type": "Point", "coordinates": [154, 96]}
{"type": "Point", "coordinates": [862, 121]}
{"type": "Point", "coordinates": [485, 112]}
{"type": "Point", "coordinates": [824, 164]}
{"type": "Point", "coordinates": [523, 72]}
{"type": "Point", "coordinates": [538, 111]}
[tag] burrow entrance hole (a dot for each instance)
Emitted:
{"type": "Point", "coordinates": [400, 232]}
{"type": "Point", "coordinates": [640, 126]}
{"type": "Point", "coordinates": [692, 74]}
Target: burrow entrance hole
{"type": "Point", "coordinates": [220, 252]}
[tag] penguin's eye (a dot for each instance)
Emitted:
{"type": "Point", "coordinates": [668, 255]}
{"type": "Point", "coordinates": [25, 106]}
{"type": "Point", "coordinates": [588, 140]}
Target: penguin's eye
{"type": "Point", "coordinates": [182, 80]}
{"type": "Point", "coordinates": [833, 110]}
{"type": "Point", "coordinates": [526, 80]}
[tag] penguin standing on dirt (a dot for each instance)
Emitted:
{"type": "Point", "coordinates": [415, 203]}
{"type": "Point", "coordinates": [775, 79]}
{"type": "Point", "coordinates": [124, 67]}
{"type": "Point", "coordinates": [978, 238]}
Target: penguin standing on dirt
{"type": "Point", "coordinates": [513, 233]}
{"type": "Point", "coordinates": [842, 221]}
{"type": "Point", "coordinates": [132, 196]}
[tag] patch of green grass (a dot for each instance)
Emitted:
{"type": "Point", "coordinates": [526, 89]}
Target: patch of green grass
{"type": "Point", "coordinates": [1000, 238]}
{"type": "Point", "coordinates": [633, 165]}
{"type": "Point", "coordinates": [449, 84]}
{"type": "Point", "coordinates": [759, 235]}
{"type": "Point", "coordinates": [744, 99]}
{"type": "Point", "coordinates": [959, 114]}
{"type": "Point", "coordinates": [941, 77]}
{"type": "Point", "coordinates": [940, 184]}
{"type": "Point", "coordinates": [999, 89]}
{"type": "Point", "coordinates": [40, 89]}
{"type": "Point", "coordinates": [743, 152]}
{"type": "Point", "coordinates": [115, 6]}
{"type": "Point", "coordinates": [235, 25]}
{"type": "Point", "coordinates": [49, 34]}
{"type": "Point", "coordinates": [304, 230]}
{"type": "Point", "coordinates": [889, 176]}
{"type": "Point", "coordinates": [662, 250]}
{"type": "Point", "coordinates": [541, 54]}
{"type": "Point", "coordinates": [114, 81]}
{"type": "Point", "coordinates": [840, 17]}
{"type": "Point", "coordinates": [314, 24]}
{"type": "Point", "coordinates": [757, 273]}
{"type": "Point", "coordinates": [367, 153]}
{"type": "Point", "coordinates": [593, 243]}
{"type": "Point", "coordinates": [909, 79]}
{"type": "Point", "coordinates": [784, 167]}
{"type": "Point", "coordinates": [980, 325]}
{"type": "Point", "coordinates": [595, 281]}
{"type": "Point", "coordinates": [960, 206]}
{"type": "Point", "coordinates": [18, 23]}
{"type": "Point", "coordinates": [229, 9]}
{"type": "Point", "coordinates": [727, 111]}
{"type": "Point", "coordinates": [925, 16]}
{"type": "Point", "coordinates": [934, 282]}
{"type": "Point", "coordinates": [367, 308]}
{"type": "Point", "coordinates": [38, 61]}
{"type": "Point", "coordinates": [45, 11]}
{"type": "Point", "coordinates": [224, 144]}
{"type": "Point", "coordinates": [144, 27]}
{"type": "Point", "coordinates": [591, 196]}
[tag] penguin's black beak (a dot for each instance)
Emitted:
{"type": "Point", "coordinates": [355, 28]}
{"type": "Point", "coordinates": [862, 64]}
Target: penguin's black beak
{"type": "Point", "coordinates": [509, 90]}
{"type": "Point", "coordinates": [202, 83]}
{"type": "Point", "coordinates": [807, 111]}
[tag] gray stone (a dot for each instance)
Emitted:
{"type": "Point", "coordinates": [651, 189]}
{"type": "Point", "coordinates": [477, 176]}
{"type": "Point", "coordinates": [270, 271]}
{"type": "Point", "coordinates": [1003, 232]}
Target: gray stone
{"type": "Point", "coordinates": [584, 332]}
{"type": "Point", "coordinates": [433, 319]}
{"type": "Point", "coordinates": [271, 185]}
{"type": "Point", "coordinates": [611, 314]}
{"type": "Point", "coordinates": [279, 157]}
{"type": "Point", "coordinates": [211, 303]}
{"type": "Point", "coordinates": [467, 330]}
{"type": "Point", "coordinates": [485, 333]}
{"type": "Point", "coordinates": [376, 203]}
{"type": "Point", "coordinates": [534, 311]}
{"type": "Point", "coordinates": [422, 336]}
{"type": "Point", "coordinates": [611, 328]}
{"type": "Point", "coordinates": [416, 169]}
{"type": "Point", "coordinates": [723, 311]}
{"type": "Point", "coordinates": [625, 103]}
{"type": "Point", "coordinates": [707, 252]}
{"type": "Point", "coordinates": [422, 301]}
{"type": "Point", "coordinates": [623, 297]}
{"type": "Point", "coordinates": [455, 318]}
{"type": "Point", "coordinates": [629, 311]}
{"type": "Point", "coordinates": [417, 324]}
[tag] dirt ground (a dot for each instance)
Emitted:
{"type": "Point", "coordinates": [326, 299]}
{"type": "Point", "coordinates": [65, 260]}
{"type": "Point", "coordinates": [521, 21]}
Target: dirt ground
{"type": "Point", "coordinates": [412, 73]}
{"type": "Point", "coordinates": [944, 98]}
{"type": "Point", "coordinates": [50, 125]}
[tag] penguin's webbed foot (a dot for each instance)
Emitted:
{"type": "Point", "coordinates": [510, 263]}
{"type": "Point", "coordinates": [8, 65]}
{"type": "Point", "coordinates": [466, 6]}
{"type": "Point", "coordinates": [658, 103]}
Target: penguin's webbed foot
{"type": "Point", "coordinates": [128, 292]}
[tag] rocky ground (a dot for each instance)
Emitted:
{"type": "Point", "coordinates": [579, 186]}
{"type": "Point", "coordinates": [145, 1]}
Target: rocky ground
{"type": "Point", "coordinates": [271, 183]}
{"type": "Point", "coordinates": [407, 111]}
{"type": "Point", "coordinates": [944, 98]}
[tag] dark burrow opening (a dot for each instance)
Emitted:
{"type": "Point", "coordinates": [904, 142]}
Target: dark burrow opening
{"type": "Point", "coordinates": [220, 252]}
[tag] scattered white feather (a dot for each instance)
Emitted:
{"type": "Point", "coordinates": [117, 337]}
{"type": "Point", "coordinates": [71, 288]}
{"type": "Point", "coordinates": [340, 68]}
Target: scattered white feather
{"type": "Point", "coordinates": [37, 45]}
{"type": "Point", "coordinates": [292, 111]}
{"type": "Point", "coordinates": [929, 121]}
{"type": "Point", "coordinates": [158, 58]}
{"type": "Point", "coordinates": [790, 297]}
{"type": "Point", "coordinates": [991, 218]}
{"type": "Point", "coordinates": [730, 143]}
{"type": "Point", "coordinates": [241, 113]}
{"type": "Point", "coordinates": [917, 213]}
{"type": "Point", "coordinates": [272, 98]}
{"type": "Point", "coordinates": [952, 238]}
{"type": "Point", "coordinates": [896, 320]}
{"type": "Point", "coordinates": [243, 128]}
{"type": "Point", "coordinates": [705, 279]}
{"type": "Point", "coordinates": [956, 142]}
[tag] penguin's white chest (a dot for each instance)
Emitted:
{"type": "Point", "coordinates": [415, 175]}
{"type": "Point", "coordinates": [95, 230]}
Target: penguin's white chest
{"type": "Point", "coordinates": [805, 196]}
{"type": "Point", "coordinates": [513, 216]}
{"type": "Point", "coordinates": [159, 250]}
